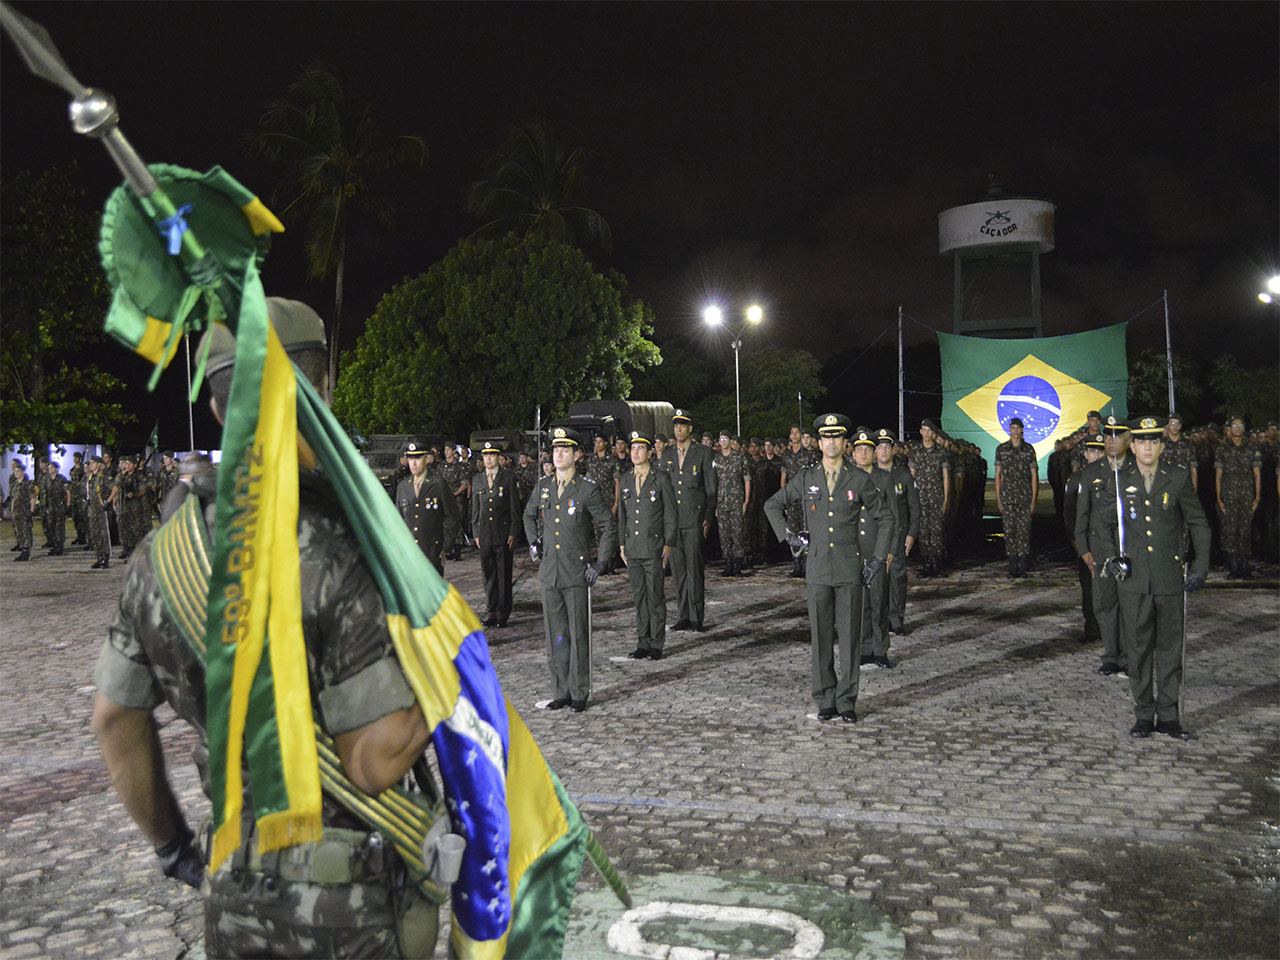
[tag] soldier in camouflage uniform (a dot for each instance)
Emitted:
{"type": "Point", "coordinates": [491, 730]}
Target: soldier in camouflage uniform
{"type": "Point", "coordinates": [931, 469]}
{"type": "Point", "coordinates": [795, 457]}
{"type": "Point", "coordinates": [905, 504]}
{"type": "Point", "coordinates": [345, 896]}
{"type": "Point", "coordinates": [22, 491]}
{"type": "Point", "coordinates": [1179, 451]}
{"type": "Point", "coordinates": [131, 498]}
{"type": "Point", "coordinates": [76, 478]}
{"type": "Point", "coordinates": [1237, 469]}
{"type": "Point", "coordinates": [733, 490]}
{"type": "Point", "coordinates": [97, 495]}
{"type": "Point", "coordinates": [1017, 483]}
{"type": "Point", "coordinates": [166, 478]}
{"type": "Point", "coordinates": [57, 501]}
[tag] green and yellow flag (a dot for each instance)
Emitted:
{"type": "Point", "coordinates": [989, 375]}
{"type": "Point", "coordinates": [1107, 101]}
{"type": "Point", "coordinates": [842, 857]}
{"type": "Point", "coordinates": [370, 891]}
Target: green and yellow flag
{"type": "Point", "coordinates": [1049, 383]}
{"type": "Point", "coordinates": [526, 841]}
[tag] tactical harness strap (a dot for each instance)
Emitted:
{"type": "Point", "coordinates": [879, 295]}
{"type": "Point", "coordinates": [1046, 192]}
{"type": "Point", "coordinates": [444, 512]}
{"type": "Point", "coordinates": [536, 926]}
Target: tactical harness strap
{"type": "Point", "coordinates": [180, 553]}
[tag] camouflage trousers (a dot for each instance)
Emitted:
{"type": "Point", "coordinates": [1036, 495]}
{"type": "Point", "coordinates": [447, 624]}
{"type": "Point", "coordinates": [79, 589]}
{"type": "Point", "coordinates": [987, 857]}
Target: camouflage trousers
{"type": "Point", "coordinates": [1017, 525]}
{"type": "Point", "coordinates": [55, 525]}
{"type": "Point", "coordinates": [99, 533]}
{"type": "Point", "coordinates": [22, 525]}
{"type": "Point", "coordinates": [135, 523]}
{"type": "Point", "coordinates": [933, 523]}
{"type": "Point", "coordinates": [1237, 520]}
{"type": "Point", "coordinates": [733, 531]}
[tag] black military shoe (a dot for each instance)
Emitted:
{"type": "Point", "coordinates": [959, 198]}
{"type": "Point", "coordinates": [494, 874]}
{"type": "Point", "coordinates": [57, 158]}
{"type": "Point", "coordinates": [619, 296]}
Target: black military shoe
{"type": "Point", "coordinates": [15, 548]}
{"type": "Point", "coordinates": [1110, 669]}
{"type": "Point", "coordinates": [24, 555]}
{"type": "Point", "coordinates": [884, 662]}
{"type": "Point", "coordinates": [578, 706]}
{"type": "Point", "coordinates": [698, 627]}
{"type": "Point", "coordinates": [848, 716]}
{"type": "Point", "coordinates": [1172, 728]}
{"type": "Point", "coordinates": [97, 566]}
{"type": "Point", "coordinates": [827, 713]}
{"type": "Point", "coordinates": [490, 621]}
{"type": "Point", "coordinates": [558, 704]}
{"type": "Point", "coordinates": [898, 631]}
{"type": "Point", "coordinates": [681, 625]}
{"type": "Point", "coordinates": [654, 654]}
{"type": "Point", "coordinates": [1142, 729]}
{"type": "Point", "coordinates": [868, 662]}
{"type": "Point", "coordinates": [639, 653]}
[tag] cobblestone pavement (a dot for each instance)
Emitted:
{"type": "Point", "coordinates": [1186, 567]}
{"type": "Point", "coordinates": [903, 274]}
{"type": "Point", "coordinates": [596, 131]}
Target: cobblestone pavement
{"type": "Point", "coordinates": [989, 802]}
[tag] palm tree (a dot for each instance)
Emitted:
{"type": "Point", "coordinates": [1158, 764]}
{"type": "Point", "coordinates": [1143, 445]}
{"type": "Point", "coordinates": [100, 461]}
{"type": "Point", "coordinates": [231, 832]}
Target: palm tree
{"type": "Point", "coordinates": [532, 186]}
{"type": "Point", "coordinates": [335, 152]}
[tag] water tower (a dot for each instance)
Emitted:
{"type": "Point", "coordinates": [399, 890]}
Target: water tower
{"type": "Point", "coordinates": [995, 246]}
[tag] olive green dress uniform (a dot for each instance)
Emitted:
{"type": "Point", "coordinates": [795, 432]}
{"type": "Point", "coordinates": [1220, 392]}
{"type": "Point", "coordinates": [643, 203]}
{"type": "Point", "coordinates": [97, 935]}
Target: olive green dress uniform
{"type": "Point", "coordinates": [1151, 598]}
{"type": "Point", "coordinates": [647, 523]}
{"type": "Point", "coordinates": [569, 520]}
{"type": "Point", "coordinates": [1095, 532]}
{"type": "Point", "coordinates": [425, 511]}
{"type": "Point", "coordinates": [833, 573]}
{"type": "Point", "coordinates": [694, 481]}
{"type": "Point", "coordinates": [1070, 511]}
{"type": "Point", "coordinates": [495, 516]}
{"type": "Point", "coordinates": [875, 612]}
{"type": "Point", "coordinates": [904, 501]}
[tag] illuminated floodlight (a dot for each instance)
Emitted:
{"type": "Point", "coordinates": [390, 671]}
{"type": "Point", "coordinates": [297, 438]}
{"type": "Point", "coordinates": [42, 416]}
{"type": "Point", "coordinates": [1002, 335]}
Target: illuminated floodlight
{"type": "Point", "coordinates": [713, 316]}
{"type": "Point", "coordinates": [1265, 297]}
{"type": "Point", "coordinates": [1273, 285]}
{"type": "Point", "coordinates": [754, 313]}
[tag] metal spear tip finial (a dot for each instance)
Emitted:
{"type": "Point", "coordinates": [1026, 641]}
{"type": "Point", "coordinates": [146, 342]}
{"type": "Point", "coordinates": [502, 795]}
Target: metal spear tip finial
{"type": "Point", "coordinates": [38, 52]}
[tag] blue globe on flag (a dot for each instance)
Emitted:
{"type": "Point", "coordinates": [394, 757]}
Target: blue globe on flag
{"type": "Point", "coordinates": [1034, 402]}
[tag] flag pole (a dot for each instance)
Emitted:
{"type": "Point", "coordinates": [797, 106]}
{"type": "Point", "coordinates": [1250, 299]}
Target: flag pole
{"type": "Point", "coordinates": [902, 420]}
{"type": "Point", "coordinates": [1168, 351]}
{"type": "Point", "coordinates": [191, 424]}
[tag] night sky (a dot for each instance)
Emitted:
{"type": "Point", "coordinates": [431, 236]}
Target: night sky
{"type": "Point", "coordinates": [795, 154]}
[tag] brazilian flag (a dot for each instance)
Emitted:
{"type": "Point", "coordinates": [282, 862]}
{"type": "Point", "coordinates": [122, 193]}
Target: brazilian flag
{"type": "Point", "coordinates": [1049, 383]}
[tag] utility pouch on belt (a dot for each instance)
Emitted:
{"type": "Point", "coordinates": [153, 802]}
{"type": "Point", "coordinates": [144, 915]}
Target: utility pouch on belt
{"type": "Point", "coordinates": [180, 553]}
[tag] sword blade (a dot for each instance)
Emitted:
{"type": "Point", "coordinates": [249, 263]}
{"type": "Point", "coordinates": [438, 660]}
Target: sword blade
{"type": "Point", "coordinates": [38, 52]}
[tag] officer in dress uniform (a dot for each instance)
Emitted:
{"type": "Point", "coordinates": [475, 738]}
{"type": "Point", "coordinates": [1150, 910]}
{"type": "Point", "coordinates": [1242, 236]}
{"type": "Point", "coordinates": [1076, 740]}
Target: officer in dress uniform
{"type": "Point", "coordinates": [425, 502]}
{"type": "Point", "coordinates": [1096, 541]}
{"type": "Point", "coordinates": [1156, 501]}
{"type": "Point", "coordinates": [832, 496]}
{"type": "Point", "coordinates": [647, 532]}
{"type": "Point", "coordinates": [689, 465]}
{"type": "Point", "coordinates": [905, 504]}
{"type": "Point", "coordinates": [570, 508]}
{"type": "Point", "coordinates": [1093, 452]}
{"type": "Point", "coordinates": [495, 518]}
{"type": "Point", "coordinates": [875, 610]}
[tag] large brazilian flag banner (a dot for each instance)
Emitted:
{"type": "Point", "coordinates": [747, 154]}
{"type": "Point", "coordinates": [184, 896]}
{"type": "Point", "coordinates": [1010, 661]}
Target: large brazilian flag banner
{"type": "Point", "coordinates": [1049, 383]}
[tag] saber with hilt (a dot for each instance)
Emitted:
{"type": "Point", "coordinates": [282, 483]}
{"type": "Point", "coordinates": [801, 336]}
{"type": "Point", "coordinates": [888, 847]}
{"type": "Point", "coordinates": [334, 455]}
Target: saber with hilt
{"type": "Point", "coordinates": [1120, 566]}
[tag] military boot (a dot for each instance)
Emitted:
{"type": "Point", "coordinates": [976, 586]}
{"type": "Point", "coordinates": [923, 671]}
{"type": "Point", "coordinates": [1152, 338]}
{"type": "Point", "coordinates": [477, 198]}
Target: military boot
{"type": "Point", "coordinates": [24, 555]}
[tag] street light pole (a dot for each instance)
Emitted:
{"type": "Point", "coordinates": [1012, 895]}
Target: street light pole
{"type": "Point", "coordinates": [714, 317]}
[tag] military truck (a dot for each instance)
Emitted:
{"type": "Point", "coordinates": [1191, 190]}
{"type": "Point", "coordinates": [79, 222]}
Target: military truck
{"type": "Point", "coordinates": [382, 454]}
{"type": "Point", "coordinates": [617, 418]}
